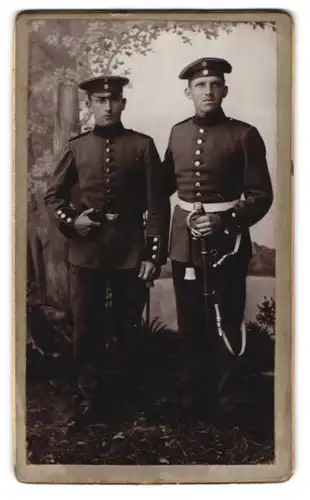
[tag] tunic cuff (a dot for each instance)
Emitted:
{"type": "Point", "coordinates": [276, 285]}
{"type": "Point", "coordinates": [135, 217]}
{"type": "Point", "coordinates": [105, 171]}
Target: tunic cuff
{"type": "Point", "coordinates": [231, 220]}
{"type": "Point", "coordinates": [152, 249]}
{"type": "Point", "coordinates": [66, 217]}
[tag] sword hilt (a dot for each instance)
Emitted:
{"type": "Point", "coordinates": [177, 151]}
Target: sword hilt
{"type": "Point", "coordinates": [198, 210]}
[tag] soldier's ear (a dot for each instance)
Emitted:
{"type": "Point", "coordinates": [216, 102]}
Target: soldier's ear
{"type": "Point", "coordinates": [124, 101]}
{"type": "Point", "coordinates": [188, 93]}
{"type": "Point", "coordinates": [225, 91]}
{"type": "Point", "coordinates": [88, 102]}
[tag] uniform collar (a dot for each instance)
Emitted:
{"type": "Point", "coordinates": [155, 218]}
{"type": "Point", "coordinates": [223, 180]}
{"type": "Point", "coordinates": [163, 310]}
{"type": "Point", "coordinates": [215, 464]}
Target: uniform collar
{"type": "Point", "coordinates": [109, 130]}
{"type": "Point", "coordinates": [212, 118]}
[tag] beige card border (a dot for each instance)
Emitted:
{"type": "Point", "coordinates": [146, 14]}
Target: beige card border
{"type": "Point", "coordinates": [281, 470]}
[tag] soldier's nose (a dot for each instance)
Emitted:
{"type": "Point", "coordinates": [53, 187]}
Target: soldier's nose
{"type": "Point", "coordinates": [108, 106]}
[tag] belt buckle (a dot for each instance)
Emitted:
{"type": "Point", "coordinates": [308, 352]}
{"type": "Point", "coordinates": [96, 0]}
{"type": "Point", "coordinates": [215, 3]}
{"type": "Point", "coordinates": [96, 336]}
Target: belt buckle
{"type": "Point", "coordinates": [197, 205]}
{"type": "Point", "coordinates": [111, 217]}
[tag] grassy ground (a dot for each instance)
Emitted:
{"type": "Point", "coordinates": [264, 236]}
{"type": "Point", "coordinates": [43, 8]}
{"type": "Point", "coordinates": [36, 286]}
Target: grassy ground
{"type": "Point", "coordinates": [144, 440]}
{"type": "Point", "coordinates": [154, 430]}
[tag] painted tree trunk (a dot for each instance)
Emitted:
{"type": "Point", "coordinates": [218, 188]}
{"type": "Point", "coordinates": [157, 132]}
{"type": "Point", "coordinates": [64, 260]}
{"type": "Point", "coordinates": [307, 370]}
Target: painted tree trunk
{"type": "Point", "coordinates": [35, 262]}
{"type": "Point", "coordinates": [49, 249]}
{"type": "Point", "coordinates": [66, 115]}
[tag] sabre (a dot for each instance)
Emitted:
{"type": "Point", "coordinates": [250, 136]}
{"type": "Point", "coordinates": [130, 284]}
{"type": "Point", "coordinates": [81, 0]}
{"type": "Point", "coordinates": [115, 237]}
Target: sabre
{"type": "Point", "coordinates": [206, 265]}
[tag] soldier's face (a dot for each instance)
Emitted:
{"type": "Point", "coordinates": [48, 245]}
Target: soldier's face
{"type": "Point", "coordinates": [207, 93]}
{"type": "Point", "coordinates": [107, 110]}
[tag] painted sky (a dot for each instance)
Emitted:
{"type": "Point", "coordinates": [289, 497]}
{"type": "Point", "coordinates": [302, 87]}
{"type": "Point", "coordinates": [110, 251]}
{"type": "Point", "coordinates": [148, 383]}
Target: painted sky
{"type": "Point", "coordinates": [156, 100]}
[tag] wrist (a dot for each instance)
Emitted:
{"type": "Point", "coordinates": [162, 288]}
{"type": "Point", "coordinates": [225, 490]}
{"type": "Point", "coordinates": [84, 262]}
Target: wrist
{"type": "Point", "coordinates": [219, 220]}
{"type": "Point", "coordinates": [230, 220]}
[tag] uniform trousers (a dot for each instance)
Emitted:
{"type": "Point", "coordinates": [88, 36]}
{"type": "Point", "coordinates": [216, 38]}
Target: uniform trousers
{"type": "Point", "coordinates": [212, 371]}
{"type": "Point", "coordinates": [103, 323]}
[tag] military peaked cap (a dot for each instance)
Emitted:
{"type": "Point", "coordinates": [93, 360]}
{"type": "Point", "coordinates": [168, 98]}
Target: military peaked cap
{"type": "Point", "coordinates": [104, 85]}
{"type": "Point", "coordinates": [206, 66]}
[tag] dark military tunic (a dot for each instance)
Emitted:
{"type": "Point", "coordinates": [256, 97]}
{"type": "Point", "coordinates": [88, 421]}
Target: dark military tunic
{"type": "Point", "coordinates": [118, 173]}
{"type": "Point", "coordinates": [114, 171]}
{"type": "Point", "coordinates": [213, 160]}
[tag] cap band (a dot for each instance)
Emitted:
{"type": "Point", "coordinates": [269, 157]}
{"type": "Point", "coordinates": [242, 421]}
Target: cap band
{"type": "Point", "coordinates": [206, 72]}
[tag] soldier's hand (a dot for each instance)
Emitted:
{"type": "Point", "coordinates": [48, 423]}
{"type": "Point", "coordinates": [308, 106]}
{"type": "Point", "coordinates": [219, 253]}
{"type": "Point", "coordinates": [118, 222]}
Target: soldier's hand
{"type": "Point", "coordinates": [83, 223]}
{"type": "Point", "coordinates": [208, 224]}
{"type": "Point", "coordinates": [147, 270]}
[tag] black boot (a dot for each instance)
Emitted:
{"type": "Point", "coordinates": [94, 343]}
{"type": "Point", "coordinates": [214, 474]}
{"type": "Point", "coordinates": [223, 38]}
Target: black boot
{"type": "Point", "coordinates": [85, 400]}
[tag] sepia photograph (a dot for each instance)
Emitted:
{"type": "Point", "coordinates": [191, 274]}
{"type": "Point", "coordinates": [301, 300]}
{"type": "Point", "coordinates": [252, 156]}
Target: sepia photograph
{"type": "Point", "coordinates": [151, 239]}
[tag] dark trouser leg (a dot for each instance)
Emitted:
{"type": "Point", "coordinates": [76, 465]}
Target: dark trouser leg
{"type": "Point", "coordinates": [231, 294]}
{"type": "Point", "coordinates": [129, 295]}
{"type": "Point", "coordinates": [212, 368]}
{"type": "Point", "coordinates": [87, 294]}
{"type": "Point", "coordinates": [190, 315]}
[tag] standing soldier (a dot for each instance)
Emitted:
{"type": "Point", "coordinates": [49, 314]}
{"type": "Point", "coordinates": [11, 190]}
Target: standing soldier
{"type": "Point", "coordinates": [218, 167]}
{"type": "Point", "coordinates": [102, 186]}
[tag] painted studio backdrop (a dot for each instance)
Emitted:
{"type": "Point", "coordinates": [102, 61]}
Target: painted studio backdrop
{"type": "Point", "coordinates": [151, 54]}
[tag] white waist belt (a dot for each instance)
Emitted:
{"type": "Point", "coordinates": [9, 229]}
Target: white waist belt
{"type": "Point", "coordinates": [209, 207]}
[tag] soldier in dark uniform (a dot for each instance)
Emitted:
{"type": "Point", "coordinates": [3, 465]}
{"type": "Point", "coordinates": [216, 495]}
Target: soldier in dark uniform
{"type": "Point", "coordinates": [218, 167]}
{"type": "Point", "coordinates": [104, 183]}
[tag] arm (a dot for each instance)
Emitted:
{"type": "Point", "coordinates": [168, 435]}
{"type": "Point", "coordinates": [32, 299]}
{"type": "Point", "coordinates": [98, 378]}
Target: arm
{"type": "Point", "coordinates": [257, 188]}
{"type": "Point", "coordinates": [57, 198]}
{"type": "Point", "coordinates": [158, 208]}
{"type": "Point", "coordinates": [168, 167]}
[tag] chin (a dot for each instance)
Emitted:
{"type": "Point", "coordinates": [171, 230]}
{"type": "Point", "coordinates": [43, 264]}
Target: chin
{"type": "Point", "coordinates": [106, 121]}
{"type": "Point", "coordinates": [210, 108]}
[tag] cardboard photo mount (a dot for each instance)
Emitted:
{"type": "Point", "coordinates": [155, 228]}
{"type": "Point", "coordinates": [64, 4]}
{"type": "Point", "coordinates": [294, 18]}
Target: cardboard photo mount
{"type": "Point", "coordinates": [282, 468]}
